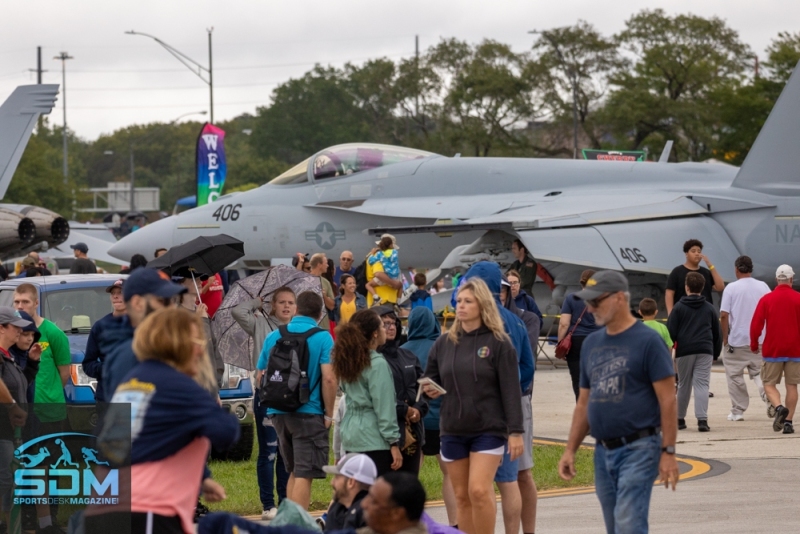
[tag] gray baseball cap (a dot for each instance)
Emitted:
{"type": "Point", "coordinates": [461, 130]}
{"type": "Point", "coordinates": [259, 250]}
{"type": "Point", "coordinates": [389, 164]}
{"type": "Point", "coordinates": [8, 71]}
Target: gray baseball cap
{"type": "Point", "coordinates": [11, 316]}
{"type": "Point", "coordinates": [603, 282]}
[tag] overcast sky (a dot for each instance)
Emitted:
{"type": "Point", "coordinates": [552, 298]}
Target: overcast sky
{"type": "Point", "coordinates": [115, 79]}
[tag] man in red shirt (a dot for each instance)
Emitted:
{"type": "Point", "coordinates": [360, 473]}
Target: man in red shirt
{"type": "Point", "coordinates": [780, 310]}
{"type": "Point", "coordinates": [211, 294]}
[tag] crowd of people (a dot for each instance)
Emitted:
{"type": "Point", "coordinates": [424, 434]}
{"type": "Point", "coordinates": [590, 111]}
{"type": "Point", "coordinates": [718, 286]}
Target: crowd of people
{"type": "Point", "coordinates": [337, 359]}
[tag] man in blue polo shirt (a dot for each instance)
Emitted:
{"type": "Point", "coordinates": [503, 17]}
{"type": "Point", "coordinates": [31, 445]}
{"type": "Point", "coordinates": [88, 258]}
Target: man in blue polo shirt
{"type": "Point", "coordinates": [303, 434]}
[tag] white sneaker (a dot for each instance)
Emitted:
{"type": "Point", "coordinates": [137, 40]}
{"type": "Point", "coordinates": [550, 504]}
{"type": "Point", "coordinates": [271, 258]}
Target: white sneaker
{"type": "Point", "coordinates": [735, 417]}
{"type": "Point", "coordinates": [269, 515]}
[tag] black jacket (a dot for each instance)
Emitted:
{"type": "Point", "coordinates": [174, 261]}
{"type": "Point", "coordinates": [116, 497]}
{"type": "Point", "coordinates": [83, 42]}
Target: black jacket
{"type": "Point", "coordinates": [340, 518]}
{"type": "Point", "coordinates": [694, 326]}
{"type": "Point", "coordinates": [406, 370]}
{"type": "Point", "coordinates": [479, 374]}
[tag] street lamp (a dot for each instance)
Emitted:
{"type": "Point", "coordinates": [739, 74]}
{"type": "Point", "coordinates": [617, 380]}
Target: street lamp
{"type": "Point", "coordinates": [63, 56]}
{"type": "Point", "coordinates": [191, 64]}
{"type": "Point", "coordinates": [573, 78]}
{"type": "Point", "coordinates": [130, 149]}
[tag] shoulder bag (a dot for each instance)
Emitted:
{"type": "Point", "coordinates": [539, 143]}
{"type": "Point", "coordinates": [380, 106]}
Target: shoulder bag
{"type": "Point", "coordinates": [564, 346]}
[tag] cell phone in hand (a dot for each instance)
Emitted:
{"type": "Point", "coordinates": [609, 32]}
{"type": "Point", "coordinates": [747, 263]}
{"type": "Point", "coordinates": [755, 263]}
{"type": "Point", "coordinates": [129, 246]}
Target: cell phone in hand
{"type": "Point", "coordinates": [425, 381]}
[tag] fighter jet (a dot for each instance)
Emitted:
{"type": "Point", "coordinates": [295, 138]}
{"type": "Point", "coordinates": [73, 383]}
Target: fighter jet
{"type": "Point", "coordinates": [24, 228]}
{"type": "Point", "coordinates": [449, 211]}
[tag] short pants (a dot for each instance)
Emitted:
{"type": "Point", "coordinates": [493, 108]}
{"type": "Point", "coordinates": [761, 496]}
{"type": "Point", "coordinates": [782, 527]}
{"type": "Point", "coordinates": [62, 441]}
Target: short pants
{"type": "Point", "coordinates": [459, 447]}
{"type": "Point", "coordinates": [303, 442]}
{"type": "Point", "coordinates": [771, 372]}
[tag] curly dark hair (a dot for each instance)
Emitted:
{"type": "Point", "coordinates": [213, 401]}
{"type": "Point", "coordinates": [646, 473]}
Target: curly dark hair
{"type": "Point", "coordinates": [692, 243]}
{"type": "Point", "coordinates": [351, 354]}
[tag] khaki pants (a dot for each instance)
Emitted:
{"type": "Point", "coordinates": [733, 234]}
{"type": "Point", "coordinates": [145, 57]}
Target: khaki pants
{"type": "Point", "coordinates": [737, 361]}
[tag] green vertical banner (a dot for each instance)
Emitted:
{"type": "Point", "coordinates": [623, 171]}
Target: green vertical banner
{"type": "Point", "coordinates": [211, 164]}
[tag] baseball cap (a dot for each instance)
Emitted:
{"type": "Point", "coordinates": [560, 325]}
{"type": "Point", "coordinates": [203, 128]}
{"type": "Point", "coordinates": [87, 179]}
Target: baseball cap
{"type": "Point", "coordinates": [784, 272]}
{"type": "Point", "coordinates": [356, 466]}
{"type": "Point", "coordinates": [504, 282]}
{"type": "Point", "coordinates": [10, 316]}
{"type": "Point", "coordinates": [390, 236]}
{"type": "Point", "coordinates": [80, 246]}
{"type": "Point", "coordinates": [603, 282]}
{"type": "Point", "coordinates": [118, 284]}
{"type": "Point", "coordinates": [150, 282]}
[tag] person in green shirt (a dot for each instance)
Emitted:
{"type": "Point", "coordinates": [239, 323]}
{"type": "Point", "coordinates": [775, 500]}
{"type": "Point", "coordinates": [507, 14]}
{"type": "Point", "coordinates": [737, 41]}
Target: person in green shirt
{"type": "Point", "coordinates": [369, 424]}
{"type": "Point", "coordinates": [648, 309]}
{"type": "Point", "coordinates": [55, 361]}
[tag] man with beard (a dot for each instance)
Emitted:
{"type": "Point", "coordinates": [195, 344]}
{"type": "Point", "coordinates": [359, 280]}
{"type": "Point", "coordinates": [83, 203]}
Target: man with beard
{"type": "Point", "coordinates": [353, 476]}
{"type": "Point", "coordinates": [93, 358]}
{"type": "Point", "coordinates": [145, 291]}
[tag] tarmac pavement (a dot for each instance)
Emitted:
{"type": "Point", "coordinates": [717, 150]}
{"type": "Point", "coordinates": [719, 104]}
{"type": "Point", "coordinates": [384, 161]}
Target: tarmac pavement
{"type": "Point", "coordinates": [750, 474]}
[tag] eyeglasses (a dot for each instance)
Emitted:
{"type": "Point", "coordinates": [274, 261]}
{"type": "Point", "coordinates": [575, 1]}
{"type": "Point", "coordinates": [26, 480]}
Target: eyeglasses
{"type": "Point", "coordinates": [388, 325]}
{"type": "Point", "coordinates": [514, 283]}
{"type": "Point", "coordinates": [345, 259]}
{"type": "Point", "coordinates": [594, 303]}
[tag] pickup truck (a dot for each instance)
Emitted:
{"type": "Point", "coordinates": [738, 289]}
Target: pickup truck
{"type": "Point", "coordinates": [74, 303]}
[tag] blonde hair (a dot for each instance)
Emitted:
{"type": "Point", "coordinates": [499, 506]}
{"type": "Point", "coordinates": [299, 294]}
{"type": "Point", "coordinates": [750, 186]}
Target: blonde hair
{"type": "Point", "coordinates": [165, 336]}
{"type": "Point", "coordinates": [490, 315]}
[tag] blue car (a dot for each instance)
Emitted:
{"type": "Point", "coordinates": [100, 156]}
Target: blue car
{"type": "Point", "coordinates": [74, 303]}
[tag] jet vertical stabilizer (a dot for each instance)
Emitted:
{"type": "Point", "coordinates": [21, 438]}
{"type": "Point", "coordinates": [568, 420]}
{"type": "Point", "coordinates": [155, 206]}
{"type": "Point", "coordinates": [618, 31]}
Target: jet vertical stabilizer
{"type": "Point", "coordinates": [771, 165]}
{"type": "Point", "coordinates": [18, 115]}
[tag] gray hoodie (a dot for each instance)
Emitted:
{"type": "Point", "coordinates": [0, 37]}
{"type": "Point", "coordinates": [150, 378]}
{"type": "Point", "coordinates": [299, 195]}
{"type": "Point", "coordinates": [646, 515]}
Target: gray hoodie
{"type": "Point", "coordinates": [478, 374]}
{"type": "Point", "coordinates": [256, 325]}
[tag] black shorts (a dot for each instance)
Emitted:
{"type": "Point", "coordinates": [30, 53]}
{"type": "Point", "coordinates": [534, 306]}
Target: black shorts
{"type": "Point", "coordinates": [431, 447]}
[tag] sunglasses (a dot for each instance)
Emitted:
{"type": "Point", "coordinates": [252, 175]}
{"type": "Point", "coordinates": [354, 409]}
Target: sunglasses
{"type": "Point", "coordinates": [594, 303]}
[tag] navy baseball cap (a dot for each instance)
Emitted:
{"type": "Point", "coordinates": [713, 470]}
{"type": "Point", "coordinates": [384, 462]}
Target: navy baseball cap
{"type": "Point", "coordinates": [145, 281]}
{"type": "Point", "coordinates": [80, 246]}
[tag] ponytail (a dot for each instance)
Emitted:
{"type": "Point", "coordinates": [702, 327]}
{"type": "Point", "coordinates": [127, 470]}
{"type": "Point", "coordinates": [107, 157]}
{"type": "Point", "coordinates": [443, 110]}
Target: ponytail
{"type": "Point", "coordinates": [351, 352]}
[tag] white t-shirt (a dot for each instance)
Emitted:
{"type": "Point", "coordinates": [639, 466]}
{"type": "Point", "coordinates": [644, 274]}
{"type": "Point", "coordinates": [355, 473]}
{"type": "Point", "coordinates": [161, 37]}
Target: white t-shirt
{"type": "Point", "coordinates": [739, 300]}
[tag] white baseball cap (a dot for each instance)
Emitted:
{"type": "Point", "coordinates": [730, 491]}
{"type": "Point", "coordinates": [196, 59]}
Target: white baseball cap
{"type": "Point", "coordinates": [356, 466]}
{"type": "Point", "coordinates": [784, 272]}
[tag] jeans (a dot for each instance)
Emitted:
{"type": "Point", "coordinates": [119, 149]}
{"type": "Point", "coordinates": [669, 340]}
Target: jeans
{"type": "Point", "coordinates": [624, 480]}
{"type": "Point", "coordinates": [266, 465]}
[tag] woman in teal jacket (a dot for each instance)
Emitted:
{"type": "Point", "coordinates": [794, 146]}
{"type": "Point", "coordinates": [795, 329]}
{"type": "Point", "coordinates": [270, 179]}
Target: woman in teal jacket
{"type": "Point", "coordinates": [369, 425]}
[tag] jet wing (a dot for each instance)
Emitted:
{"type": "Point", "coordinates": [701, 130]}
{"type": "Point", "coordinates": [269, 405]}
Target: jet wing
{"type": "Point", "coordinates": [18, 115]}
{"type": "Point", "coordinates": [636, 231]}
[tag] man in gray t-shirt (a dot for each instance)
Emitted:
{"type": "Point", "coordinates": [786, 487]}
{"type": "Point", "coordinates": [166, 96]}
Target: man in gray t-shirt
{"type": "Point", "coordinates": [82, 263]}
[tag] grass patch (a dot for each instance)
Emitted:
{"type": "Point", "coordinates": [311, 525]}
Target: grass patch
{"type": "Point", "coordinates": [239, 479]}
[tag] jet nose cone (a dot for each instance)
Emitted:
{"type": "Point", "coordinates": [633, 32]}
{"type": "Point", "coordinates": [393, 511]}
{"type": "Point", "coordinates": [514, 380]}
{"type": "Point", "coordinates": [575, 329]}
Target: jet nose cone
{"type": "Point", "coordinates": [144, 241]}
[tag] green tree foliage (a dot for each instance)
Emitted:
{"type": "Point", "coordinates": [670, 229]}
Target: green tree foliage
{"type": "Point", "coordinates": [679, 62]}
{"type": "Point", "coordinates": [579, 51]}
{"type": "Point", "coordinates": [783, 53]}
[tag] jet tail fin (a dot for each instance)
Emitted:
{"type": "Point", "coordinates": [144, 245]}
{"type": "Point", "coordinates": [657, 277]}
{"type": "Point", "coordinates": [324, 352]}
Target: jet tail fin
{"type": "Point", "coordinates": [18, 115]}
{"type": "Point", "coordinates": [771, 164]}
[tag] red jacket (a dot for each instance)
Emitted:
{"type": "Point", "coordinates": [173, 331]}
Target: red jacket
{"type": "Point", "coordinates": [780, 310]}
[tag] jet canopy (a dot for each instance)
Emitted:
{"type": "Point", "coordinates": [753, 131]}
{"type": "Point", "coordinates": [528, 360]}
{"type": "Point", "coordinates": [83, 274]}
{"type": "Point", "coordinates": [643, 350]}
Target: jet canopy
{"type": "Point", "coordinates": [344, 160]}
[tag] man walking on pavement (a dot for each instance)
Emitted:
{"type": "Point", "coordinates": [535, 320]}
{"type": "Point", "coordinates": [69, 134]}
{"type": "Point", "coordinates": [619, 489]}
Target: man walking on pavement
{"type": "Point", "coordinates": [82, 263]}
{"type": "Point", "coordinates": [739, 301]}
{"type": "Point", "coordinates": [780, 311]}
{"type": "Point", "coordinates": [627, 398]}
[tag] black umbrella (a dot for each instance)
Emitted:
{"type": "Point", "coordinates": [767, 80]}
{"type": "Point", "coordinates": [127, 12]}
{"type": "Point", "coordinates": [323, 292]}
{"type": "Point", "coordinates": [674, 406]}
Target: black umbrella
{"type": "Point", "coordinates": [205, 255]}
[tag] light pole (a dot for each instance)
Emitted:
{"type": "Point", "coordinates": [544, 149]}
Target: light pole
{"type": "Point", "coordinates": [191, 64]}
{"type": "Point", "coordinates": [64, 57]}
{"type": "Point", "coordinates": [573, 81]}
{"type": "Point", "coordinates": [130, 150]}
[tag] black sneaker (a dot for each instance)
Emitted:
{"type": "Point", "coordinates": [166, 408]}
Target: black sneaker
{"type": "Point", "coordinates": [702, 425]}
{"type": "Point", "coordinates": [788, 428]}
{"type": "Point", "coordinates": [681, 424]}
{"type": "Point", "coordinates": [781, 413]}
{"type": "Point", "coordinates": [201, 510]}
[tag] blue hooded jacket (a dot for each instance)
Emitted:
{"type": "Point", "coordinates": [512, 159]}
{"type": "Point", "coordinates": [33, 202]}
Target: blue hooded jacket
{"type": "Point", "coordinates": [115, 342]}
{"type": "Point", "coordinates": [423, 331]}
{"type": "Point", "coordinates": [490, 273]}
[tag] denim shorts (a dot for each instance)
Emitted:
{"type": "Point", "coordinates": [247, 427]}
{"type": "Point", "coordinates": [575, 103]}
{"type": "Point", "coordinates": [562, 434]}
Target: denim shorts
{"type": "Point", "coordinates": [459, 447]}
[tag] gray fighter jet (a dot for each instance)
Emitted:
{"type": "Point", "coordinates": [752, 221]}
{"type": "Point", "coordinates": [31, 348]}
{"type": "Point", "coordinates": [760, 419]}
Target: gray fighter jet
{"type": "Point", "coordinates": [449, 212]}
{"type": "Point", "coordinates": [24, 228]}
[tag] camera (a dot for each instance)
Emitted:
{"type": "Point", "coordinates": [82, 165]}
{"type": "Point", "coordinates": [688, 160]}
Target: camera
{"type": "Point", "coordinates": [295, 260]}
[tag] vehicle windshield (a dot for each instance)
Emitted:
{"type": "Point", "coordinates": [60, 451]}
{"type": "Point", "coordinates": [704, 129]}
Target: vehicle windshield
{"type": "Point", "coordinates": [344, 160]}
{"type": "Point", "coordinates": [70, 309]}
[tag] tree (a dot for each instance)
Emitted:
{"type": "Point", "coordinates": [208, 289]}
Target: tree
{"type": "Point", "coordinates": [783, 53]}
{"type": "Point", "coordinates": [587, 55]}
{"type": "Point", "coordinates": [486, 95]}
{"type": "Point", "coordinates": [679, 63]}
{"type": "Point", "coordinates": [307, 115]}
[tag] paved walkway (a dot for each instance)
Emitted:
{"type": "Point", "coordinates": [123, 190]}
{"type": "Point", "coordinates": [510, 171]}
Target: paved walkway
{"type": "Point", "coordinates": [749, 487]}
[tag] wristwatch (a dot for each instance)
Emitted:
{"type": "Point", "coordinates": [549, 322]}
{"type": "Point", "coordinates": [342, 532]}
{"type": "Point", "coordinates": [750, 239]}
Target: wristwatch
{"type": "Point", "coordinates": [394, 444]}
{"type": "Point", "coordinates": [669, 449]}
